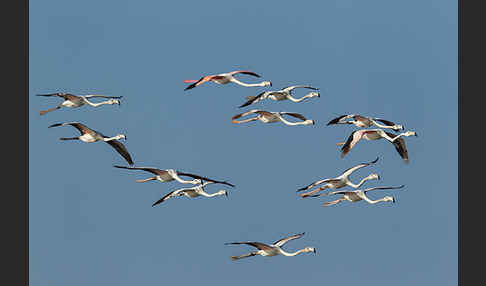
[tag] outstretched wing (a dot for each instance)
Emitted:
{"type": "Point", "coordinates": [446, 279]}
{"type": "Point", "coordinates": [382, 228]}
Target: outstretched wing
{"type": "Point", "coordinates": [120, 148]}
{"type": "Point", "coordinates": [244, 72]}
{"type": "Point", "coordinates": [204, 178]}
{"type": "Point", "coordinates": [254, 99]}
{"type": "Point", "coordinates": [168, 196]}
{"type": "Point", "coordinates": [386, 122]}
{"type": "Point", "coordinates": [147, 169]}
{"type": "Point", "coordinates": [290, 88]}
{"type": "Point", "coordinates": [296, 115]}
{"type": "Point", "coordinates": [282, 241]}
{"type": "Point", "coordinates": [352, 140]}
{"type": "Point", "coordinates": [314, 184]}
{"type": "Point", "coordinates": [198, 82]}
{"type": "Point", "coordinates": [340, 119]}
{"type": "Point", "coordinates": [352, 169]}
{"type": "Point", "coordinates": [245, 113]}
{"type": "Point", "coordinates": [81, 127]}
{"type": "Point", "coordinates": [382, 188]}
{"type": "Point", "coordinates": [259, 245]}
{"type": "Point", "coordinates": [400, 146]}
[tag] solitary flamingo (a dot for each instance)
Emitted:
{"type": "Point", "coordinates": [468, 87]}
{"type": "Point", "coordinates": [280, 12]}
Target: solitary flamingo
{"type": "Point", "coordinates": [224, 78]}
{"type": "Point", "coordinates": [363, 122]}
{"type": "Point", "coordinates": [171, 175]}
{"type": "Point", "coordinates": [272, 249]}
{"type": "Point", "coordinates": [279, 95]}
{"type": "Point", "coordinates": [72, 101]}
{"type": "Point", "coordinates": [191, 193]}
{"type": "Point", "coordinates": [376, 134]}
{"type": "Point", "coordinates": [358, 195]}
{"type": "Point", "coordinates": [340, 181]}
{"type": "Point", "coordinates": [89, 135]}
{"type": "Point", "coordinates": [271, 117]}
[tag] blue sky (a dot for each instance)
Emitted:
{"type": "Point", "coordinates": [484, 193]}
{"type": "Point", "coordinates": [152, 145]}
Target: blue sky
{"type": "Point", "coordinates": [92, 224]}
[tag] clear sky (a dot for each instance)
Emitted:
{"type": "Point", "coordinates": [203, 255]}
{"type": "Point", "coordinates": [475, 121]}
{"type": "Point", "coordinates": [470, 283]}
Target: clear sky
{"type": "Point", "coordinates": [92, 224]}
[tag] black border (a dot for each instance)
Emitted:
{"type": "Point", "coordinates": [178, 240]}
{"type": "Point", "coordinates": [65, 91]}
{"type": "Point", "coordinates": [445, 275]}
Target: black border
{"type": "Point", "coordinates": [470, 108]}
{"type": "Point", "coordinates": [15, 127]}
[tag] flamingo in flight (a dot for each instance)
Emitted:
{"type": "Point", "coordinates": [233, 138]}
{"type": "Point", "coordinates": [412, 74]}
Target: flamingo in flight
{"type": "Point", "coordinates": [224, 78]}
{"type": "Point", "coordinates": [279, 95]}
{"type": "Point", "coordinates": [72, 101]}
{"type": "Point", "coordinates": [340, 181]}
{"type": "Point", "coordinates": [271, 117]}
{"type": "Point", "coordinates": [89, 135]}
{"type": "Point", "coordinates": [358, 195]}
{"type": "Point", "coordinates": [377, 134]}
{"type": "Point", "coordinates": [272, 249]}
{"type": "Point", "coordinates": [191, 193]}
{"type": "Point", "coordinates": [171, 175]}
{"type": "Point", "coordinates": [363, 122]}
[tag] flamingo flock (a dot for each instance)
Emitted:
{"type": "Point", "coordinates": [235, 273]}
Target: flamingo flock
{"type": "Point", "coordinates": [199, 183]}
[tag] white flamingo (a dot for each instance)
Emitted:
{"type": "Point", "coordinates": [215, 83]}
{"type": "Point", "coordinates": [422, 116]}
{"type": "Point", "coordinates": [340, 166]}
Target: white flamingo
{"type": "Point", "coordinates": [89, 135]}
{"type": "Point", "coordinates": [364, 122]}
{"type": "Point", "coordinates": [272, 117]}
{"type": "Point", "coordinates": [283, 94]}
{"type": "Point", "coordinates": [272, 249]}
{"type": "Point", "coordinates": [224, 78]}
{"type": "Point", "coordinates": [340, 181]}
{"type": "Point", "coordinates": [193, 192]}
{"type": "Point", "coordinates": [72, 101]}
{"type": "Point", "coordinates": [171, 175]}
{"type": "Point", "coordinates": [377, 134]}
{"type": "Point", "coordinates": [358, 195]}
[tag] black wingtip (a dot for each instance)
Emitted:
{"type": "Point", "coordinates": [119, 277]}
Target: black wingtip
{"type": "Point", "coordinates": [190, 86]}
{"type": "Point", "coordinates": [55, 125]}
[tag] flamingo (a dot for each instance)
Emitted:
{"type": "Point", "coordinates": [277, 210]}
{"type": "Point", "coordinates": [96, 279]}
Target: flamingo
{"type": "Point", "coordinates": [376, 134]}
{"type": "Point", "coordinates": [191, 193]}
{"type": "Point", "coordinates": [279, 95]}
{"type": "Point", "coordinates": [340, 181]}
{"type": "Point", "coordinates": [89, 135]}
{"type": "Point", "coordinates": [358, 195]}
{"type": "Point", "coordinates": [171, 175]}
{"type": "Point", "coordinates": [272, 249]}
{"type": "Point", "coordinates": [224, 78]}
{"type": "Point", "coordinates": [72, 101]}
{"type": "Point", "coordinates": [271, 117]}
{"type": "Point", "coordinates": [363, 122]}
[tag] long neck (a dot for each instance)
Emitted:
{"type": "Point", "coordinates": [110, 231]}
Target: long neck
{"type": "Point", "coordinates": [299, 99]}
{"type": "Point", "coordinates": [283, 252]}
{"type": "Point", "coordinates": [294, 123]}
{"type": "Point", "coordinates": [246, 84]}
{"type": "Point", "coordinates": [96, 104]}
{"type": "Point", "coordinates": [203, 193]}
{"type": "Point", "coordinates": [360, 183]}
{"type": "Point", "coordinates": [177, 178]}
{"type": "Point", "coordinates": [111, 138]}
{"type": "Point", "coordinates": [373, 202]}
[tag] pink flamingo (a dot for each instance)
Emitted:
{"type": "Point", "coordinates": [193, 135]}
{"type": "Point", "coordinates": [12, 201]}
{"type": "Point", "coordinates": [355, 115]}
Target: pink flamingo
{"type": "Point", "coordinates": [224, 78]}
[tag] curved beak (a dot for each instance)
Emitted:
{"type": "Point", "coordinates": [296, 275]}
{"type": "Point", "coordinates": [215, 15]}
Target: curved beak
{"type": "Point", "coordinates": [393, 201]}
{"type": "Point", "coordinates": [315, 250]}
{"type": "Point", "coordinates": [270, 83]}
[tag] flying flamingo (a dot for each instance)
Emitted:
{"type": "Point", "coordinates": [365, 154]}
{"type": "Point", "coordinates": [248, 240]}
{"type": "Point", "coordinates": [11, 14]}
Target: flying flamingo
{"type": "Point", "coordinates": [272, 249]}
{"type": "Point", "coordinates": [363, 122]}
{"type": "Point", "coordinates": [358, 195]}
{"type": "Point", "coordinates": [272, 117]}
{"type": "Point", "coordinates": [224, 78]}
{"type": "Point", "coordinates": [376, 134]}
{"type": "Point", "coordinates": [72, 101]}
{"type": "Point", "coordinates": [279, 95]}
